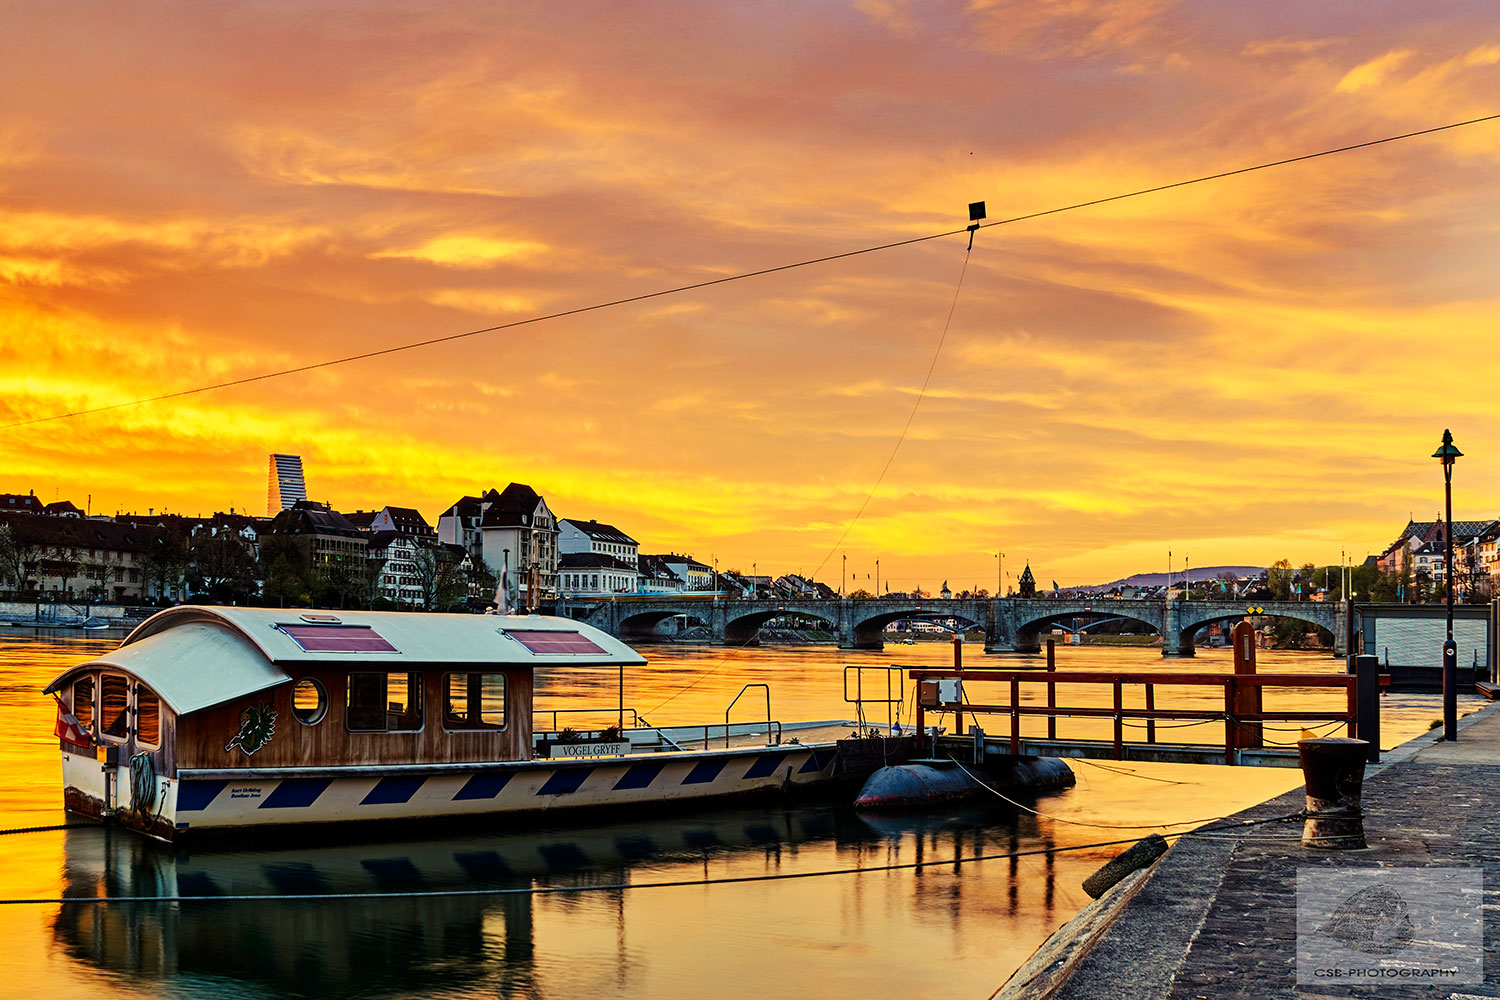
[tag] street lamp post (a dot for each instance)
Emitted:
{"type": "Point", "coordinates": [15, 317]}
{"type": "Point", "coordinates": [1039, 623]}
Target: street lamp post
{"type": "Point", "coordinates": [1447, 454]}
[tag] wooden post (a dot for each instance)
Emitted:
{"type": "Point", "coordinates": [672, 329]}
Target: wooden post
{"type": "Point", "coordinates": [1015, 716]}
{"type": "Point", "coordinates": [1051, 710]}
{"type": "Point", "coordinates": [1119, 721]}
{"type": "Point", "coordinates": [1229, 728]}
{"type": "Point", "coordinates": [1150, 707]}
{"type": "Point", "coordinates": [1248, 697]}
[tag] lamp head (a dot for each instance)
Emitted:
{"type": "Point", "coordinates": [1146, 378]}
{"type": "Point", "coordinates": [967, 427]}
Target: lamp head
{"type": "Point", "coordinates": [1447, 452]}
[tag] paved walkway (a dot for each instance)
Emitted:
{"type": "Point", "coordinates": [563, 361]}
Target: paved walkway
{"type": "Point", "coordinates": [1217, 917]}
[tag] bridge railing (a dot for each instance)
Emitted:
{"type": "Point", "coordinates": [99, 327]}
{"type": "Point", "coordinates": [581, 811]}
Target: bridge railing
{"type": "Point", "coordinates": [1242, 713]}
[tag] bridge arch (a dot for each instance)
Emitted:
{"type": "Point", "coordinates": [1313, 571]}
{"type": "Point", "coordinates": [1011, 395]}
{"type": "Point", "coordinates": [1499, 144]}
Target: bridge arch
{"type": "Point", "coordinates": [643, 624]}
{"type": "Point", "coordinates": [1316, 616]}
{"type": "Point", "coordinates": [1063, 624]}
{"type": "Point", "coordinates": [869, 632]}
{"type": "Point", "coordinates": [1029, 632]}
{"type": "Point", "coordinates": [741, 630]}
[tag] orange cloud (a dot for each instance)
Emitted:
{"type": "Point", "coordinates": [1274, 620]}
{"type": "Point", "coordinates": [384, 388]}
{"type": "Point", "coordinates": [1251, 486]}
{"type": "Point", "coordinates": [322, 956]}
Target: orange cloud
{"type": "Point", "coordinates": [1239, 371]}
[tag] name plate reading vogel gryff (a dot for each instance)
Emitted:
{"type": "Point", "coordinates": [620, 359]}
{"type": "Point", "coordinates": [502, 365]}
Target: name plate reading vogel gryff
{"type": "Point", "coordinates": [588, 749]}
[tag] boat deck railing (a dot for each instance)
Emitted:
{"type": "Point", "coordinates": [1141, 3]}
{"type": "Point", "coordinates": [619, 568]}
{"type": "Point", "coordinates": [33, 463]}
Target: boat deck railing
{"type": "Point", "coordinates": [635, 717]}
{"type": "Point", "coordinates": [649, 739]}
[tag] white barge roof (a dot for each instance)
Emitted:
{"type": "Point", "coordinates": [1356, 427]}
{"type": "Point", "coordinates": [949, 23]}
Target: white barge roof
{"type": "Point", "coordinates": [196, 656]}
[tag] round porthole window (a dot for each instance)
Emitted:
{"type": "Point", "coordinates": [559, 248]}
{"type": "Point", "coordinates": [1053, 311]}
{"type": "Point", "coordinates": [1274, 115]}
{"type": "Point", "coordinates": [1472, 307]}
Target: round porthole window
{"type": "Point", "coordinates": [309, 702]}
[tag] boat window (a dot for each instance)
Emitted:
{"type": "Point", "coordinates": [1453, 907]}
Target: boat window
{"type": "Point", "coordinates": [383, 703]}
{"type": "Point", "coordinates": [147, 716]}
{"type": "Point", "coordinates": [83, 701]}
{"type": "Point", "coordinates": [309, 702]}
{"type": "Point", "coordinates": [474, 701]}
{"type": "Point", "coordinates": [113, 702]}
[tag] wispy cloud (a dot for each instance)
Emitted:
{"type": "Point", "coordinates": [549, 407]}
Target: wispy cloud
{"type": "Point", "coordinates": [1241, 370]}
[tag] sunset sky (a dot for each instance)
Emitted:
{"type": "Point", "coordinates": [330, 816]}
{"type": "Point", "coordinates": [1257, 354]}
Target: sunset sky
{"type": "Point", "coordinates": [1243, 370]}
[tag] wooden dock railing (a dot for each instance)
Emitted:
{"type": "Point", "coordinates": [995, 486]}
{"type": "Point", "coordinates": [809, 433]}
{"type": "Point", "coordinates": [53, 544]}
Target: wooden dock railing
{"type": "Point", "coordinates": [1241, 714]}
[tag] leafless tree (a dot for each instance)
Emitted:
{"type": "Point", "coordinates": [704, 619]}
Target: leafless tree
{"type": "Point", "coordinates": [442, 583]}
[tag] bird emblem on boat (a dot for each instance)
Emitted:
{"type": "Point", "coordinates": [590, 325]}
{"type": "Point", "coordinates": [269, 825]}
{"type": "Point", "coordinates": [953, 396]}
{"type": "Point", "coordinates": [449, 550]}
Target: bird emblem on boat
{"type": "Point", "coordinates": [257, 726]}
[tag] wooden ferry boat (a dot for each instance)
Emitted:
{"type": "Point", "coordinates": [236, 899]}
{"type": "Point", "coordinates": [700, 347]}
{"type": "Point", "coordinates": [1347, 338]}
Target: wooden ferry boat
{"type": "Point", "coordinates": [215, 719]}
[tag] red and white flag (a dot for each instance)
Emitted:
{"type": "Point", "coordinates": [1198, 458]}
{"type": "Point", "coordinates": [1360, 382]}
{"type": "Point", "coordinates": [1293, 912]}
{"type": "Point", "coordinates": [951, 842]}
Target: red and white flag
{"type": "Point", "coordinates": [69, 729]}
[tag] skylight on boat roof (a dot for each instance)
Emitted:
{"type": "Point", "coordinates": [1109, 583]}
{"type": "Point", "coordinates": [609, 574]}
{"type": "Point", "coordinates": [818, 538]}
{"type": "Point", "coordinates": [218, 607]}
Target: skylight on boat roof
{"type": "Point", "coordinates": [544, 641]}
{"type": "Point", "coordinates": [338, 639]}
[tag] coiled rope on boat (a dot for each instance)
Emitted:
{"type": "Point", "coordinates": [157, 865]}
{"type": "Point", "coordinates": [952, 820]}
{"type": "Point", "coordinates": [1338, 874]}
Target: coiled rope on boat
{"type": "Point", "coordinates": [143, 785]}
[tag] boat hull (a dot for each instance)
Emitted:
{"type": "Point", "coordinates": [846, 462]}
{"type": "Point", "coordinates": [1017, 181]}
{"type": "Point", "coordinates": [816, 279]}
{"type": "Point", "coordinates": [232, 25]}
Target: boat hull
{"type": "Point", "coordinates": [204, 802]}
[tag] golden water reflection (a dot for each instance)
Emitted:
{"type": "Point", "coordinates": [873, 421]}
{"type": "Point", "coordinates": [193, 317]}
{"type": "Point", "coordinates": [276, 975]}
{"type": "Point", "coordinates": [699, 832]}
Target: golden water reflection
{"type": "Point", "coordinates": [943, 930]}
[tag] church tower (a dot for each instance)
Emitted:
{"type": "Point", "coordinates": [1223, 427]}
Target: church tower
{"type": "Point", "coordinates": [1027, 583]}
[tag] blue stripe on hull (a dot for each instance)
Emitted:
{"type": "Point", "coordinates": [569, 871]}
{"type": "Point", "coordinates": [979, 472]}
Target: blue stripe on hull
{"type": "Point", "coordinates": [296, 793]}
{"type": "Point", "coordinates": [765, 765]}
{"type": "Point", "coordinates": [638, 776]}
{"type": "Point", "coordinates": [565, 782]}
{"type": "Point", "coordinates": [194, 796]}
{"type": "Point", "coordinates": [705, 771]}
{"type": "Point", "coordinates": [208, 804]}
{"type": "Point", "coordinates": [817, 761]}
{"type": "Point", "coordinates": [392, 791]}
{"type": "Point", "coordinates": [482, 786]}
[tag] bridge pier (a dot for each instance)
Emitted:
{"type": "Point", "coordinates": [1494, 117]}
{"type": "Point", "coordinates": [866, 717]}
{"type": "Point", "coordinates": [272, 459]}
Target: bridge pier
{"type": "Point", "coordinates": [1002, 633]}
{"type": "Point", "coordinates": [1182, 647]}
{"type": "Point", "coordinates": [1174, 641]}
{"type": "Point", "coordinates": [851, 636]}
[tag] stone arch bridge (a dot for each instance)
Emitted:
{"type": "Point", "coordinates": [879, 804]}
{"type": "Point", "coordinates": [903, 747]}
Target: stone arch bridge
{"type": "Point", "coordinates": [1011, 625]}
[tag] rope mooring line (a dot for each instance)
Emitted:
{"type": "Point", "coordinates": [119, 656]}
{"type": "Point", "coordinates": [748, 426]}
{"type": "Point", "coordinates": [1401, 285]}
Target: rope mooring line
{"type": "Point", "coordinates": [43, 829]}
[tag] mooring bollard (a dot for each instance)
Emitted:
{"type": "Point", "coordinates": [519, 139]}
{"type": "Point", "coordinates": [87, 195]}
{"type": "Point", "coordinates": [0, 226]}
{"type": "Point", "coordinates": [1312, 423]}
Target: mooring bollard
{"type": "Point", "coordinates": [1333, 768]}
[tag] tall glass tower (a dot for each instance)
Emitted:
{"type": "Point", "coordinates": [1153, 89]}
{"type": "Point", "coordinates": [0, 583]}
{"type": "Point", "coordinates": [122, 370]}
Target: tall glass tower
{"type": "Point", "coordinates": [285, 484]}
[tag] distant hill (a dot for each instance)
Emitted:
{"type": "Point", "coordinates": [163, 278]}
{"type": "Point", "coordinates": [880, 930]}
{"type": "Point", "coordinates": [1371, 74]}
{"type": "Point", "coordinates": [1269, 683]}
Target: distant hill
{"type": "Point", "coordinates": [1196, 574]}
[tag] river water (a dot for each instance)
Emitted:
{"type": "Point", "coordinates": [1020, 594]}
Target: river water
{"type": "Point", "coordinates": [949, 931]}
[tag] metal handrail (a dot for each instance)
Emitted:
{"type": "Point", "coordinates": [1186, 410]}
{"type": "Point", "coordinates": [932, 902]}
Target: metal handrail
{"type": "Point", "coordinates": [555, 712]}
{"type": "Point", "coordinates": [859, 699]}
{"type": "Point", "coordinates": [1234, 715]}
{"type": "Point", "coordinates": [737, 697]}
{"type": "Point", "coordinates": [643, 724]}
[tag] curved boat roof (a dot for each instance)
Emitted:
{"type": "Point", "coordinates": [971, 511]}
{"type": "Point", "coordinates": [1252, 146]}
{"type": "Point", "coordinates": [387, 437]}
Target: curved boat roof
{"type": "Point", "coordinates": [196, 656]}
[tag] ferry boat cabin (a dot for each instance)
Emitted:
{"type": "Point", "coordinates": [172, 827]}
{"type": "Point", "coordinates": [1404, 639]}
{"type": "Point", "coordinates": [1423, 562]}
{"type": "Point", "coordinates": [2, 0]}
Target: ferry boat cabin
{"type": "Point", "coordinates": [224, 719]}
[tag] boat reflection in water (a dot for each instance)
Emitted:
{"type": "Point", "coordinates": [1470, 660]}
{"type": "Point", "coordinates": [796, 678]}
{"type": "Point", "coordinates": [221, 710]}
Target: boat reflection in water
{"type": "Point", "coordinates": [533, 945]}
